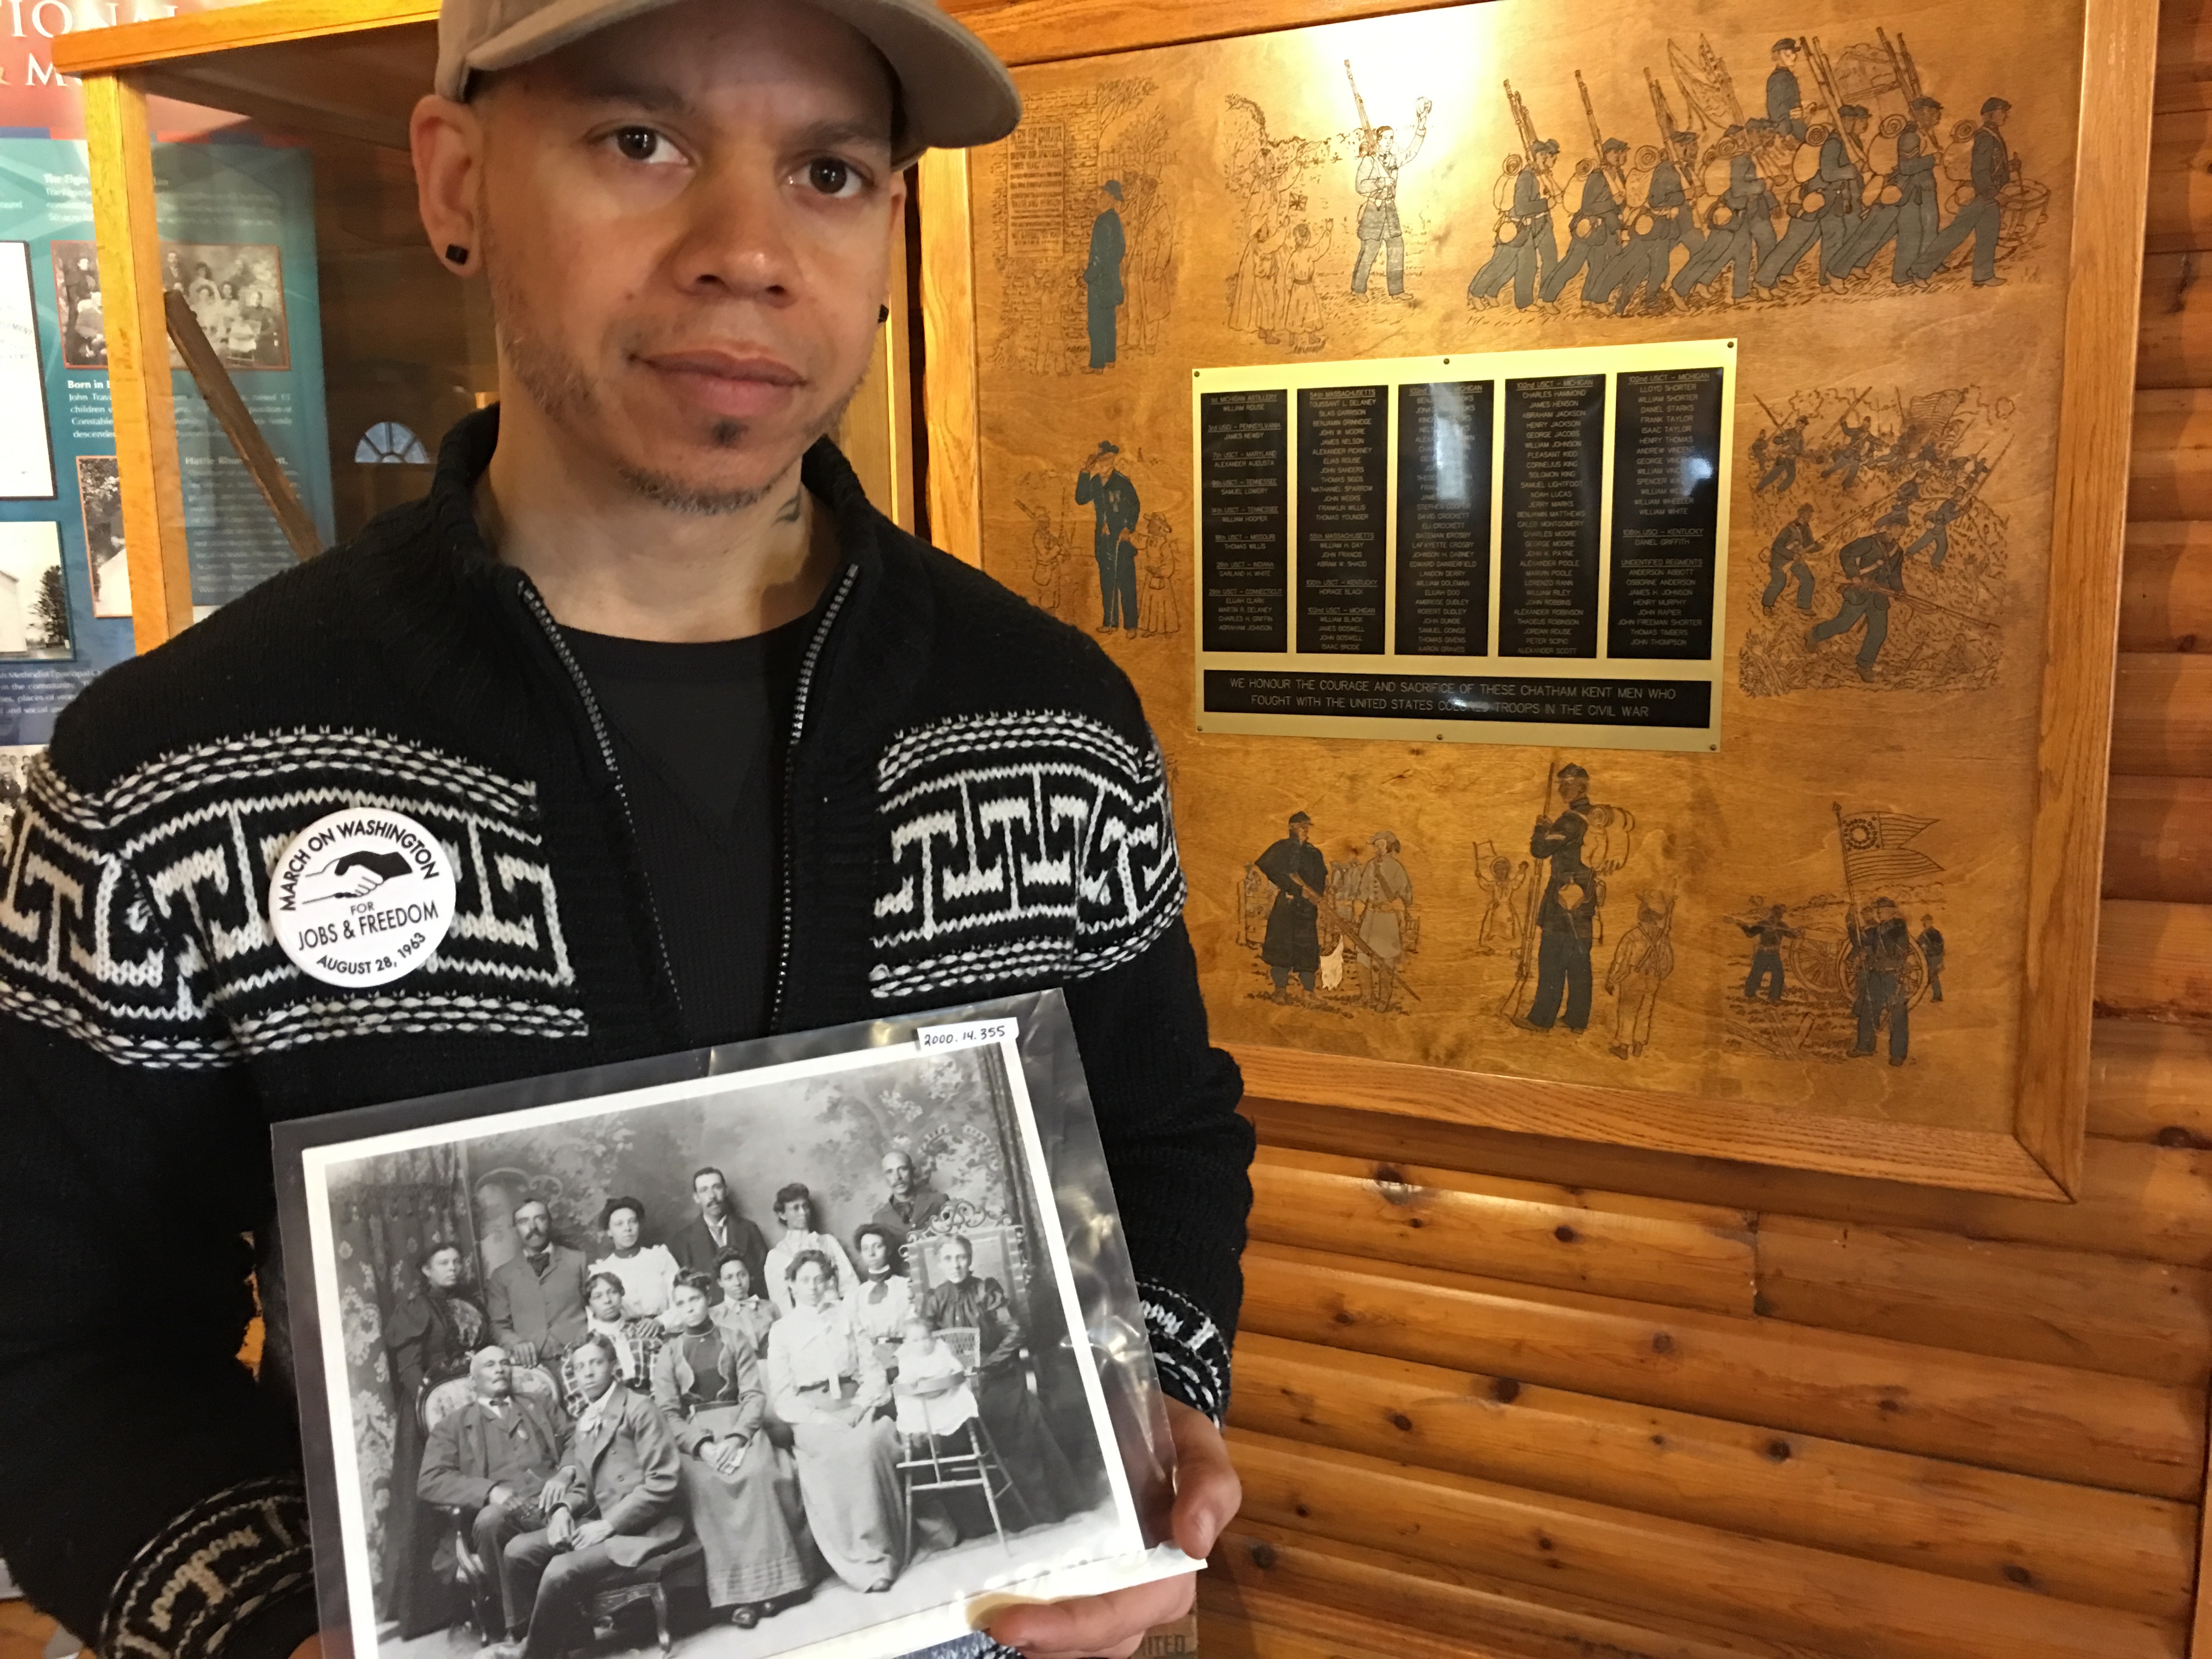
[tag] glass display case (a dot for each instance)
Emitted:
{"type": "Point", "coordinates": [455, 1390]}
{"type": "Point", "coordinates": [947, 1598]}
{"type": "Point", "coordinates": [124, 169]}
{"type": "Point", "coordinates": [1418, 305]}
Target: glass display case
{"type": "Point", "coordinates": [254, 214]}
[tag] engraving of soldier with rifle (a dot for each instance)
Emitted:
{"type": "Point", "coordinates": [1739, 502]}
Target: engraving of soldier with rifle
{"type": "Point", "coordinates": [1300, 874]}
{"type": "Point", "coordinates": [1666, 222]}
{"type": "Point", "coordinates": [1376, 180]}
{"type": "Point", "coordinates": [1525, 250]}
{"type": "Point", "coordinates": [1565, 922]}
{"type": "Point", "coordinates": [1595, 233]}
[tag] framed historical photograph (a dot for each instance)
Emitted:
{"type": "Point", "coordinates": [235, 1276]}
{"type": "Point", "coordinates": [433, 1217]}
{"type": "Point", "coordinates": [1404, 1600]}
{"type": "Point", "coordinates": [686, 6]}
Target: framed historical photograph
{"type": "Point", "coordinates": [798, 1346]}
{"type": "Point", "coordinates": [34, 609]}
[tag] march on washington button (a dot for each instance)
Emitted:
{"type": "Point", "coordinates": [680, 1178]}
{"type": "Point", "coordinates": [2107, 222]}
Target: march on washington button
{"type": "Point", "coordinates": [362, 897]}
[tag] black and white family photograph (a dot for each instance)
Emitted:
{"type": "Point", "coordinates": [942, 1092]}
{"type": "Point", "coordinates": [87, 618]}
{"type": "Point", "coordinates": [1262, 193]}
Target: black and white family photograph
{"type": "Point", "coordinates": [236, 290]}
{"type": "Point", "coordinates": [736, 1366]}
{"type": "Point", "coordinates": [14, 764]}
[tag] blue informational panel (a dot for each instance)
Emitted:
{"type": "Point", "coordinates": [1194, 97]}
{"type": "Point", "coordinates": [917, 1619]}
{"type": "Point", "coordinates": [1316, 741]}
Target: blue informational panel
{"type": "Point", "coordinates": [237, 228]}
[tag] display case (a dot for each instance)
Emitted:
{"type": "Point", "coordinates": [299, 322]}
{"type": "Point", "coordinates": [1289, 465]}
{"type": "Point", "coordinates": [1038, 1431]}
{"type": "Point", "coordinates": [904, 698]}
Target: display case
{"type": "Point", "coordinates": [255, 211]}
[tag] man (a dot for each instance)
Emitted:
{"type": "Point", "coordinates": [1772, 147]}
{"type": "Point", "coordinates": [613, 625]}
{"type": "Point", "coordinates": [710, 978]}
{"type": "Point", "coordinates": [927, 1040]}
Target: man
{"type": "Point", "coordinates": [1931, 952]}
{"type": "Point", "coordinates": [610, 1506]}
{"type": "Point", "coordinates": [1879, 951]}
{"type": "Point", "coordinates": [1785, 562]}
{"type": "Point", "coordinates": [685, 710]}
{"type": "Point", "coordinates": [1594, 235]}
{"type": "Point", "coordinates": [1873, 574]}
{"type": "Point", "coordinates": [1383, 915]}
{"type": "Point", "coordinates": [1983, 215]}
{"type": "Point", "coordinates": [1910, 222]}
{"type": "Point", "coordinates": [1766, 971]}
{"type": "Point", "coordinates": [1498, 270]}
{"type": "Point", "coordinates": [1566, 919]}
{"type": "Point", "coordinates": [1376, 181]}
{"type": "Point", "coordinates": [1293, 944]}
{"type": "Point", "coordinates": [1847, 457]}
{"type": "Point", "coordinates": [1825, 212]}
{"type": "Point", "coordinates": [1647, 261]}
{"type": "Point", "coordinates": [1102, 277]}
{"type": "Point", "coordinates": [1739, 229]}
{"type": "Point", "coordinates": [496, 1456]}
{"type": "Point", "coordinates": [1936, 537]}
{"type": "Point", "coordinates": [1781, 458]}
{"type": "Point", "coordinates": [1641, 963]}
{"type": "Point", "coordinates": [536, 1297]}
{"type": "Point", "coordinates": [1032, 1458]}
{"type": "Point", "coordinates": [912, 1203]}
{"type": "Point", "coordinates": [1106, 491]}
{"type": "Point", "coordinates": [1785, 104]}
{"type": "Point", "coordinates": [715, 1229]}
{"type": "Point", "coordinates": [1533, 251]}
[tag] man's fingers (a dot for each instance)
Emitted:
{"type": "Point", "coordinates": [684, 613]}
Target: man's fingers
{"type": "Point", "coordinates": [1207, 1492]}
{"type": "Point", "coordinates": [1112, 1625]}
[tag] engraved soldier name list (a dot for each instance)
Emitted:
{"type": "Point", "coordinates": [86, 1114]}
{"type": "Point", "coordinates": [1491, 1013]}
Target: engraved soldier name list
{"type": "Point", "coordinates": [1540, 529]}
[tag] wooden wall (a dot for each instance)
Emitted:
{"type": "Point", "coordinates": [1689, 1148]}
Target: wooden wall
{"type": "Point", "coordinates": [1502, 1395]}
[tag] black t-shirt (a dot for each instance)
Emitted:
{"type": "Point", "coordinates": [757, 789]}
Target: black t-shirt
{"type": "Point", "coordinates": [699, 733]}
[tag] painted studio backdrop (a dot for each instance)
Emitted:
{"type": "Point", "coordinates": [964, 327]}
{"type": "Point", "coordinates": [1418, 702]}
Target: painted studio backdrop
{"type": "Point", "coordinates": [1827, 912]}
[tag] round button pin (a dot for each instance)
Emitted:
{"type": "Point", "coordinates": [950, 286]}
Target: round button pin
{"type": "Point", "coordinates": [362, 897]}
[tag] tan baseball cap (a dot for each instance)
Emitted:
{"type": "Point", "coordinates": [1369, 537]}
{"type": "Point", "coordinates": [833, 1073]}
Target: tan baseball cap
{"type": "Point", "coordinates": [954, 91]}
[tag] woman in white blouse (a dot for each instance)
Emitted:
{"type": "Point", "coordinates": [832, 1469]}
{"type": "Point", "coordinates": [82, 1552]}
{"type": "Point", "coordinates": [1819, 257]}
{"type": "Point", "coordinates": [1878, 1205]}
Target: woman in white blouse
{"type": "Point", "coordinates": [647, 1272]}
{"type": "Point", "coordinates": [824, 1380]}
{"type": "Point", "coordinates": [885, 1299]}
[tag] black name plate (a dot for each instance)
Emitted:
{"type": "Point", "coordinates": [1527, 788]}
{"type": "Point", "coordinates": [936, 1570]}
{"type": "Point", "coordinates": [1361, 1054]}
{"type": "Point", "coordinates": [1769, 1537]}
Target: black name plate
{"type": "Point", "coordinates": [1672, 703]}
{"type": "Point", "coordinates": [1666, 514]}
{"type": "Point", "coordinates": [1554, 490]}
{"type": "Point", "coordinates": [1343, 435]}
{"type": "Point", "coordinates": [1443, 517]}
{"type": "Point", "coordinates": [1244, 499]}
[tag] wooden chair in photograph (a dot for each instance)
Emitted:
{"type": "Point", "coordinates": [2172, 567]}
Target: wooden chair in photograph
{"type": "Point", "coordinates": [435, 1402]}
{"type": "Point", "coordinates": [926, 1468]}
{"type": "Point", "coordinates": [682, 1567]}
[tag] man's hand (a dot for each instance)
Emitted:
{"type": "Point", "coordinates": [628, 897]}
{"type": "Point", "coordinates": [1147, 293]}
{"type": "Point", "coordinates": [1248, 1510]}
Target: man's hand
{"type": "Point", "coordinates": [1207, 1495]}
{"type": "Point", "coordinates": [590, 1533]}
{"type": "Point", "coordinates": [560, 1529]}
{"type": "Point", "coordinates": [550, 1497]}
{"type": "Point", "coordinates": [500, 1492]}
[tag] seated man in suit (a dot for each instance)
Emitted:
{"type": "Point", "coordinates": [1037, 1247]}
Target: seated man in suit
{"type": "Point", "coordinates": [717, 1228]}
{"type": "Point", "coordinates": [536, 1300]}
{"type": "Point", "coordinates": [499, 1455]}
{"type": "Point", "coordinates": [612, 1507]}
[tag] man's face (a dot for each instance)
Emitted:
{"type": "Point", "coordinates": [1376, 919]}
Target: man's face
{"type": "Point", "coordinates": [1996, 118]}
{"type": "Point", "coordinates": [1301, 832]}
{"type": "Point", "coordinates": [687, 221]}
{"type": "Point", "coordinates": [593, 1370]}
{"type": "Point", "coordinates": [491, 1375]}
{"type": "Point", "coordinates": [1571, 790]}
{"type": "Point", "coordinates": [1885, 913]}
{"type": "Point", "coordinates": [898, 1174]}
{"type": "Point", "coordinates": [534, 1222]}
{"type": "Point", "coordinates": [1786, 59]}
{"type": "Point", "coordinates": [712, 1194]}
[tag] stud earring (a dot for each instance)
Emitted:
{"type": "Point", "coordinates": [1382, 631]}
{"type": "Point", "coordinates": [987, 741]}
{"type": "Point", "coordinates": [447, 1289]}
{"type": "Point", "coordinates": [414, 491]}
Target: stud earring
{"type": "Point", "coordinates": [882, 315]}
{"type": "Point", "coordinates": [456, 254]}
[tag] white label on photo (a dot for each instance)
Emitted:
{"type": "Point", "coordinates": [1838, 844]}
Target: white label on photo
{"type": "Point", "coordinates": [973, 1035]}
{"type": "Point", "coordinates": [362, 897]}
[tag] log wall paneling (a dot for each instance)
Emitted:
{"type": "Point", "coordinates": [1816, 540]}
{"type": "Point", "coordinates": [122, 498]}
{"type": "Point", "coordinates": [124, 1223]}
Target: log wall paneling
{"type": "Point", "coordinates": [2155, 843]}
{"type": "Point", "coordinates": [2166, 593]}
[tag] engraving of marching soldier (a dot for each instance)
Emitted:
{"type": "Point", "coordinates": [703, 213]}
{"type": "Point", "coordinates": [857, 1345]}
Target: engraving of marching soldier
{"type": "Point", "coordinates": [1647, 261]}
{"type": "Point", "coordinates": [1906, 215]}
{"type": "Point", "coordinates": [1740, 224]}
{"type": "Point", "coordinates": [1527, 250]}
{"type": "Point", "coordinates": [1786, 561]}
{"type": "Point", "coordinates": [1931, 952]}
{"type": "Point", "coordinates": [1766, 971]}
{"type": "Point", "coordinates": [1106, 489]}
{"type": "Point", "coordinates": [1375, 178]}
{"type": "Point", "coordinates": [1594, 233]}
{"type": "Point", "coordinates": [1566, 916]}
{"type": "Point", "coordinates": [1982, 216]}
{"type": "Point", "coordinates": [1874, 572]}
{"type": "Point", "coordinates": [1827, 209]}
{"type": "Point", "coordinates": [1881, 945]}
{"type": "Point", "coordinates": [1102, 277]}
{"type": "Point", "coordinates": [1785, 105]}
{"type": "Point", "coordinates": [1382, 896]}
{"type": "Point", "coordinates": [1640, 965]}
{"type": "Point", "coordinates": [1300, 874]}
{"type": "Point", "coordinates": [1502, 883]}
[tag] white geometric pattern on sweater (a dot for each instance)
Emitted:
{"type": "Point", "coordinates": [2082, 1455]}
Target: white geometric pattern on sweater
{"type": "Point", "coordinates": [1024, 847]}
{"type": "Point", "coordinates": [133, 920]}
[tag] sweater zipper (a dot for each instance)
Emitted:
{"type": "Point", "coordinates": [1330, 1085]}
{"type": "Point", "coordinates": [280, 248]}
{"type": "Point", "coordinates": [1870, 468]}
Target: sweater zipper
{"type": "Point", "coordinates": [806, 665]}
{"type": "Point", "coordinates": [531, 598]}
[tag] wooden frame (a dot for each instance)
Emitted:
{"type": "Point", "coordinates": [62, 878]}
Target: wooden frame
{"type": "Point", "coordinates": [350, 67]}
{"type": "Point", "coordinates": [2041, 1157]}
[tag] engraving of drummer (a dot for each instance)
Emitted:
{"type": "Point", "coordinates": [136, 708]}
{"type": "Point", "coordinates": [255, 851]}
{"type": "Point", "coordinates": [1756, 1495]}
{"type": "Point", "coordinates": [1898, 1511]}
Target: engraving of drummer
{"type": "Point", "coordinates": [1567, 916]}
{"type": "Point", "coordinates": [1300, 873]}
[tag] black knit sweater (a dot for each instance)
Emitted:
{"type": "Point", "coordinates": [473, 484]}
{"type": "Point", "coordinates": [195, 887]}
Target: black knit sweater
{"type": "Point", "coordinates": [974, 807]}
